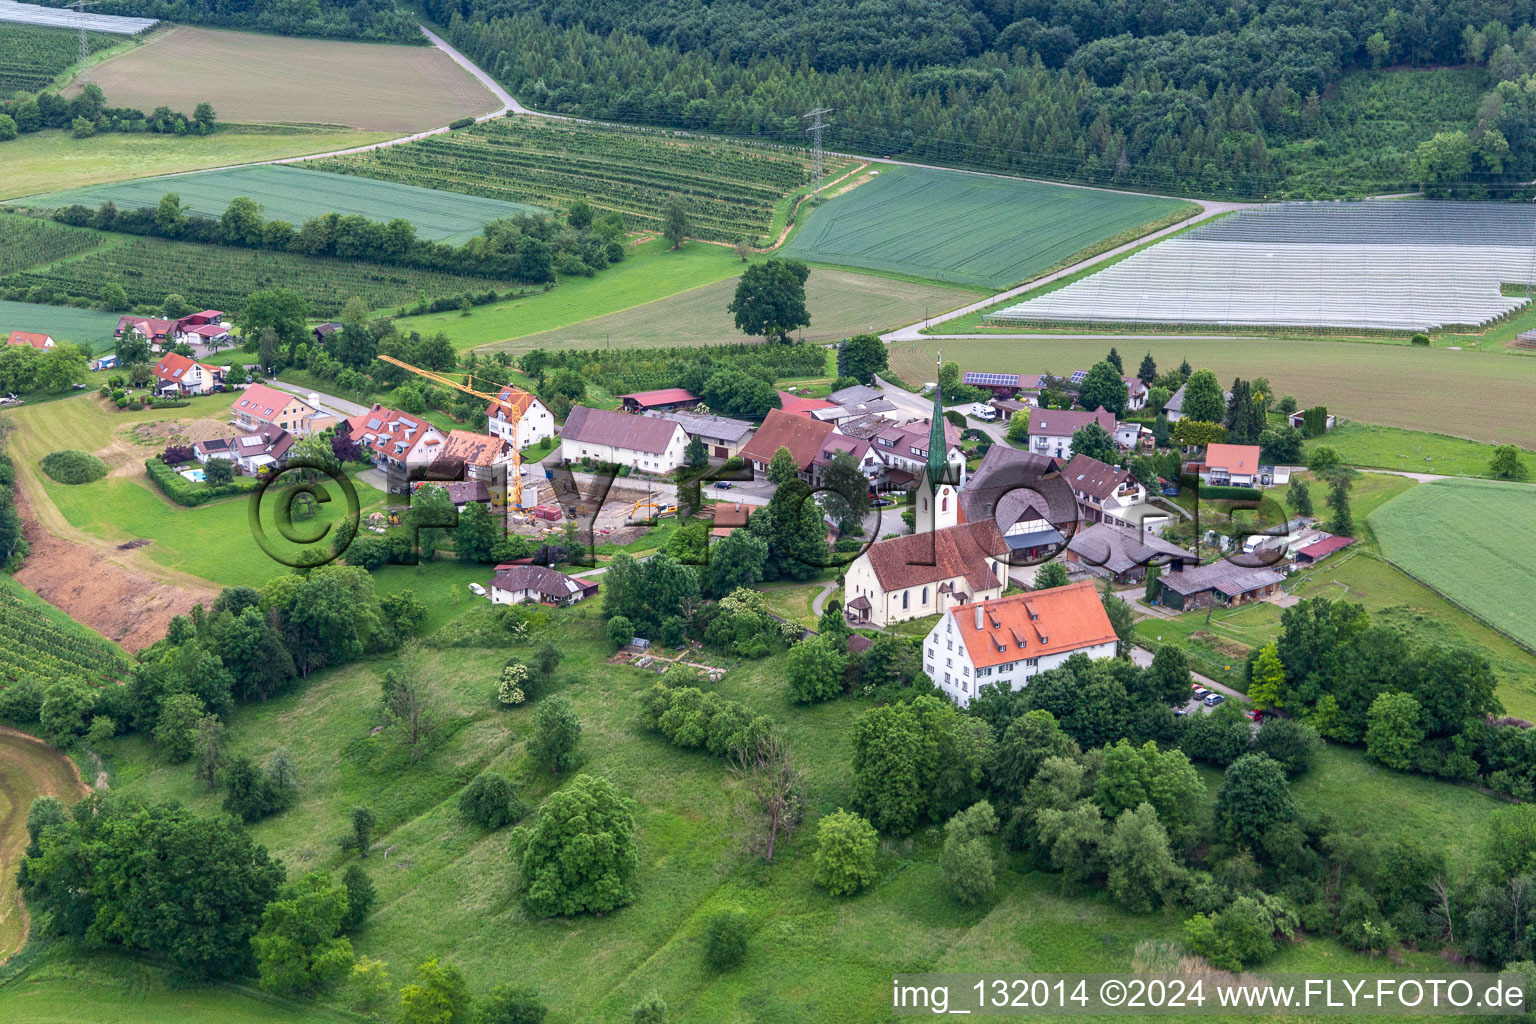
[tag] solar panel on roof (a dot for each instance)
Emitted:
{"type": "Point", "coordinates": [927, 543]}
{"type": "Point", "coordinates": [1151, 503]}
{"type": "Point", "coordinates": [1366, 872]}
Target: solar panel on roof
{"type": "Point", "coordinates": [1078, 375]}
{"type": "Point", "coordinates": [374, 424]}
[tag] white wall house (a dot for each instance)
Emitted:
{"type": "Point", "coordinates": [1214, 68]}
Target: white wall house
{"type": "Point", "coordinates": [1051, 430]}
{"type": "Point", "coordinates": [533, 425]}
{"type": "Point", "coordinates": [1012, 639]}
{"type": "Point", "coordinates": [650, 446]}
{"type": "Point", "coordinates": [904, 578]}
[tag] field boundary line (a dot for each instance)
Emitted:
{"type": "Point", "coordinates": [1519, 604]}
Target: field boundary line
{"type": "Point", "coordinates": [1448, 599]}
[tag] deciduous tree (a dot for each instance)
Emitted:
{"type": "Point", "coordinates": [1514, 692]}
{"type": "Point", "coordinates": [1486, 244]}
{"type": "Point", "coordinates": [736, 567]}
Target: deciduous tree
{"type": "Point", "coordinates": [845, 853]}
{"type": "Point", "coordinates": [579, 856]}
{"type": "Point", "coordinates": [770, 299]}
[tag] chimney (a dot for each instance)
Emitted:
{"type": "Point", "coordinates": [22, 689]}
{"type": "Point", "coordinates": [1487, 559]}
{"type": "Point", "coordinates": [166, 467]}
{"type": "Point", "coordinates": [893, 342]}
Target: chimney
{"type": "Point", "coordinates": [978, 616]}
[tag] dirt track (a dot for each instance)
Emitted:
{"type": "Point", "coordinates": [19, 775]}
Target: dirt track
{"type": "Point", "coordinates": [126, 607]}
{"type": "Point", "coordinates": [29, 768]}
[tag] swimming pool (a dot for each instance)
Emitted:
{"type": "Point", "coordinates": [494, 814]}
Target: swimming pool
{"type": "Point", "coordinates": [195, 475]}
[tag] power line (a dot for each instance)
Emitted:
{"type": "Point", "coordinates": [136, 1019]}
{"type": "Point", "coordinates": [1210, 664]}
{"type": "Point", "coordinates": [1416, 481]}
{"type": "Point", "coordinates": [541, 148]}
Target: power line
{"type": "Point", "coordinates": [79, 6]}
{"type": "Point", "coordinates": [814, 131]}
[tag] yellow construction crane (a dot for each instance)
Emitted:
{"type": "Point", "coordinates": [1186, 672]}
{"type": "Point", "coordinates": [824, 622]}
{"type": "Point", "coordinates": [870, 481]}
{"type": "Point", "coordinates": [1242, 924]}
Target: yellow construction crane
{"type": "Point", "coordinates": [512, 410]}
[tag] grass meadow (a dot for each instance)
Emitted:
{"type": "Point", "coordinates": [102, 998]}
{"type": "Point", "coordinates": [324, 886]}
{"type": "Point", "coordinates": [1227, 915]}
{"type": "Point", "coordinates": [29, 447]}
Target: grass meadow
{"type": "Point", "coordinates": [1471, 539]}
{"type": "Point", "coordinates": [1489, 392]}
{"type": "Point", "coordinates": [841, 303]}
{"type": "Point", "coordinates": [263, 79]}
{"type": "Point", "coordinates": [295, 194]}
{"type": "Point", "coordinates": [46, 161]}
{"type": "Point", "coordinates": [446, 889]}
{"type": "Point", "coordinates": [1411, 451]}
{"type": "Point", "coordinates": [91, 328]}
{"type": "Point", "coordinates": [650, 271]}
{"type": "Point", "coordinates": [971, 229]}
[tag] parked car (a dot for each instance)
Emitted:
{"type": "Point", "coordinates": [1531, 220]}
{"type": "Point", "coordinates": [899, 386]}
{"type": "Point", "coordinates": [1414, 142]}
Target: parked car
{"type": "Point", "coordinates": [1199, 691]}
{"type": "Point", "coordinates": [724, 485]}
{"type": "Point", "coordinates": [1255, 715]}
{"type": "Point", "coordinates": [477, 590]}
{"type": "Point", "coordinates": [1213, 699]}
{"type": "Point", "coordinates": [881, 503]}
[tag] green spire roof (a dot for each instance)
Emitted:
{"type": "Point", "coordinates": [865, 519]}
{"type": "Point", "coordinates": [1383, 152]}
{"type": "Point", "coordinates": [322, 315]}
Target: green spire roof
{"type": "Point", "coordinates": [938, 445]}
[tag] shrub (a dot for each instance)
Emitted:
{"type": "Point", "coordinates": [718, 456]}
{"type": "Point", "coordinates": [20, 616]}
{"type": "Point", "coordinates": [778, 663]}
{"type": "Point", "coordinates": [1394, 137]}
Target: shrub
{"type": "Point", "coordinates": [460, 122]}
{"type": "Point", "coordinates": [1293, 744]}
{"type": "Point", "coordinates": [1421, 339]}
{"type": "Point", "coordinates": [69, 466]}
{"type": "Point", "coordinates": [1214, 492]}
{"type": "Point", "coordinates": [511, 1004]}
{"type": "Point", "coordinates": [845, 853]}
{"type": "Point", "coordinates": [488, 801]}
{"type": "Point", "coordinates": [689, 717]}
{"type": "Point", "coordinates": [725, 939]}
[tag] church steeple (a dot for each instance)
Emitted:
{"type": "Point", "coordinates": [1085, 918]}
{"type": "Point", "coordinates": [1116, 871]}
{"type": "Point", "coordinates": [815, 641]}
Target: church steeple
{"type": "Point", "coordinates": [937, 499]}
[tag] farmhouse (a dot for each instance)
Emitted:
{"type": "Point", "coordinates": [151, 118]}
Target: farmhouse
{"type": "Point", "coordinates": [1009, 640]}
{"type": "Point", "coordinates": [400, 442]}
{"type": "Point", "coordinates": [37, 341]}
{"type": "Point", "coordinates": [722, 435]}
{"type": "Point", "coordinates": [533, 423]}
{"type": "Point", "coordinates": [1230, 465]}
{"type": "Point", "coordinates": [178, 375]}
{"type": "Point", "coordinates": [260, 407]}
{"type": "Point", "coordinates": [1221, 583]}
{"type": "Point", "coordinates": [862, 452]}
{"type": "Point", "coordinates": [649, 445]}
{"type": "Point", "coordinates": [1051, 430]}
{"type": "Point", "coordinates": [514, 584]}
{"type": "Point", "coordinates": [665, 400]}
{"type": "Point", "coordinates": [1123, 555]}
{"type": "Point", "coordinates": [904, 450]}
{"type": "Point", "coordinates": [1101, 491]}
{"type": "Point", "coordinates": [802, 435]}
{"type": "Point", "coordinates": [152, 329]}
{"type": "Point", "coordinates": [902, 578]}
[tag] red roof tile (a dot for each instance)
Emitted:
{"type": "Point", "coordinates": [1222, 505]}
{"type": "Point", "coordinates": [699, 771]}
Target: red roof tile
{"type": "Point", "coordinates": [1055, 621]}
{"type": "Point", "coordinates": [802, 435]}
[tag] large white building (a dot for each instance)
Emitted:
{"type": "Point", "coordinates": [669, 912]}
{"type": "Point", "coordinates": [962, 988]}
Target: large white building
{"type": "Point", "coordinates": [1011, 639]}
{"type": "Point", "coordinates": [644, 444]}
{"type": "Point", "coordinates": [902, 578]}
{"type": "Point", "coordinates": [534, 423]}
{"type": "Point", "coordinates": [1051, 430]}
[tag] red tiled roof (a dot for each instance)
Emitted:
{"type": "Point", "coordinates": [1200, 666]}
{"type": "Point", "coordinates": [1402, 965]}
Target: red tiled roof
{"type": "Point", "coordinates": [393, 434]}
{"type": "Point", "coordinates": [153, 327]}
{"type": "Point", "coordinates": [510, 399]}
{"type": "Point", "coordinates": [955, 551]}
{"type": "Point", "coordinates": [262, 402]}
{"type": "Point", "coordinates": [1055, 621]}
{"type": "Point", "coordinates": [173, 367]}
{"type": "Point", "coordinates": [802, 435]}
{"type": "Point", "coordinates": [616, 430]}
{"type": "Point", "coordinates": [1324, 548]}
{"type": "Point", "coordinates": [798, 406]}
{"type": "Point", "coordinates": [1234, 458]}
{"type": "Point", "coordinates": [29, 338]}
{"type": "Point", "coordinates": [666, 396]}
{"type": "Point", "coordinates": [732, 513]}
{"type": "Point", "coordinates": [835, 443]}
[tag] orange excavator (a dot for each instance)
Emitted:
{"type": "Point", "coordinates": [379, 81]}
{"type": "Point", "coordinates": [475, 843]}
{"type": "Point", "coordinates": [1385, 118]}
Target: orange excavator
{"type": "Point", "coordinates": [511, 400]}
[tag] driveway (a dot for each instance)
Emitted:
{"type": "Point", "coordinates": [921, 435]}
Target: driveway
{"type": "Point", "coordinates": [1143, 657]}
{"type": "Point", "coordinates": [330, 403]}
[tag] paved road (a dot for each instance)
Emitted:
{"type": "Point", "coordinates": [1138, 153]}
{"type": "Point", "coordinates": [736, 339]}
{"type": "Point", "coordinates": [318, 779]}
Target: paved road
{"type": "Point", "coordinates": [508, 104]}
{"type": "Point", "coordinates": [1143, 657]}
{"type": "Point", "coordinates": [330, 402]}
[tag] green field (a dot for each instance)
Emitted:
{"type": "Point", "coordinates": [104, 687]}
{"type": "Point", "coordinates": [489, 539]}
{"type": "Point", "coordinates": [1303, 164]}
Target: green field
{"type": "Point", "coordinates": [1472, 540]}
{"type": "Point", "coordinates": [1413, 451]}
{"type": "Point", "coordinates": [89, 327]}
{"type": "Point", "coordinates": [650, 271]}
{"type": "Point", "coordinates": [841, 303]}
{"type": "Point", "coordinates": [445, 891]}
{"type": "Point", "coordinates": [47, 161]}
{"type": "Point", "coordinates": [1489, 392]}
{"type": "Point", "coordinates": [293, 194]}
{"type": "Point", "coordinates": [732, 190]}
{"type": "Point", "coordinates": [970, 228]}
{"type": "Point", "coordinates": [25, 242]}
{"type": "Point", "coordinates": [32, 56]}
{"type": "Point", "coordinates": [222, 277]}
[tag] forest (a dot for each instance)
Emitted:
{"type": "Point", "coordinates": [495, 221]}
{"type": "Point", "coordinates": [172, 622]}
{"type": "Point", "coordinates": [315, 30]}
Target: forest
{"type": "Point", "coordinates": [340, 19]}
{"type": "Point", "coordinates": [1191, 97]}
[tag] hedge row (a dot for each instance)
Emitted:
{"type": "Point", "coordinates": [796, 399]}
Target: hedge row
{"type": "Point", "coordinates": [184, 492]}
{"type": "Point", "coordinates": [1230, 493]}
